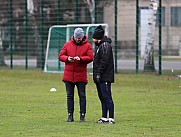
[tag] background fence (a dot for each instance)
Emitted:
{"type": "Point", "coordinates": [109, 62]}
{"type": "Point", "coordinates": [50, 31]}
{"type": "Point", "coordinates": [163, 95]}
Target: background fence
{"type": "Point", "coordinates": [24, 26]}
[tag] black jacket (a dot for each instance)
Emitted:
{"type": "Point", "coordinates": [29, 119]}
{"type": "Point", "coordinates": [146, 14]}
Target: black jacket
{"type": "Point", "coordinates": [103, 63]}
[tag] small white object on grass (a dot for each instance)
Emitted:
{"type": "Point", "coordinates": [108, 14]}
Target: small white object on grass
{"type": "Point", "coordinates": [172, 70]}
{"type": "Point", "coordinates": [53, 89]}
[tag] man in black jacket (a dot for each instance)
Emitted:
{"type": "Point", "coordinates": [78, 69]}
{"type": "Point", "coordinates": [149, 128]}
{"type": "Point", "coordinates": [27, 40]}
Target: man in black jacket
{"type": "Point", "coordinates": [103, 73]}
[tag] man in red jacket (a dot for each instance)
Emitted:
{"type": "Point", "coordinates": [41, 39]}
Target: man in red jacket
{"type": "Point", "coordinates": [76, 54]}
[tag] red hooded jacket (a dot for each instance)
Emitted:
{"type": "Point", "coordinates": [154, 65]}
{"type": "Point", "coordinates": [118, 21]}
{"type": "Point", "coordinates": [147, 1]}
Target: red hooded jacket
{"type": "Point", "coordinates": [76, 71]}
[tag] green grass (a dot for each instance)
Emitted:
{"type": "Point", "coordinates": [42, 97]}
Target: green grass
{"type": "Point", "coordinates": [145, 106]}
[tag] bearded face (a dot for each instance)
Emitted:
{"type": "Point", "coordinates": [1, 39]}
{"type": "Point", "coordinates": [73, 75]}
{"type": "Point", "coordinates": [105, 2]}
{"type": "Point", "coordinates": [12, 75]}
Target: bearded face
{"type": "Point", "coordinates": [78, 41]}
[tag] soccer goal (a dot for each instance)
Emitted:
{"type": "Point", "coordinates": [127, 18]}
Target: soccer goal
{"type": "Point", "coordinates": [58, 35]}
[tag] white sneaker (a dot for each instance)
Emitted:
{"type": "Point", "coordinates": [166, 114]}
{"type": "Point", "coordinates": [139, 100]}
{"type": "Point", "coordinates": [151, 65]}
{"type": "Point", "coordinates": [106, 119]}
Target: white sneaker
{"type": "Point", "coordinates": [103, 120]}
{"type": "Point", "coordinates": [111, 121]}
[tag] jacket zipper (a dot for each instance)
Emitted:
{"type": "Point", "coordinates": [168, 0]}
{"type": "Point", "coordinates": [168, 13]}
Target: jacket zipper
{"type": "Point", "coordinates": [74, 63]}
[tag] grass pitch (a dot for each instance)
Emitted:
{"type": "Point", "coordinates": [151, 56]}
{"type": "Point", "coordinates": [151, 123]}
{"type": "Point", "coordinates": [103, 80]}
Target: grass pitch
{"type": "Point", "coordinates": [145, 106]}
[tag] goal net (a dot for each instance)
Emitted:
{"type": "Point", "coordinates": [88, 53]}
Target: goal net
{"type": "Point", "coordinates": [58, 35]}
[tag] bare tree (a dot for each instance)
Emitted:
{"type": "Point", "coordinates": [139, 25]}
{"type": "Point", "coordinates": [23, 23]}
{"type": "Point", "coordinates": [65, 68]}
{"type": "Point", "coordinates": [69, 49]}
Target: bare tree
{"type": "Point", "coordinates": [2, 61]}
{"type": "Point", "coordinates": [36, 33]}
{"type": "Point", "coordinates": [149, 47]}
{"type": "Point", "coordinates": [91, 6]}
{"type": "Point", "coordinates": [3, 20]}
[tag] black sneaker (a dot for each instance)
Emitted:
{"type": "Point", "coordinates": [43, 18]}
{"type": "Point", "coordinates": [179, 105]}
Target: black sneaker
{"type": "Point", "coordinates": [82, 117]}
{"type": "Point", "coordinates": [103, 120]}
{"type": "Point", "coordinates": [70, 118]}
{"type": "Point", "coordinates": [111, 121]}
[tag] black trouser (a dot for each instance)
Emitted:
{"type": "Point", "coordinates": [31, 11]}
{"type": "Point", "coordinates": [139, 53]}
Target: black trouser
{"type": "Point", "coordinates": [104, 93]}
{"type": "Point", "coordinates": [70, 96]}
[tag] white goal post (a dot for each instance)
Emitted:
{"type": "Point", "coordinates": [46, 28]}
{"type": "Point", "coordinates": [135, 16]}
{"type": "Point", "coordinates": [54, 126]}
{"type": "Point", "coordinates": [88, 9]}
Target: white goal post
{"type": "Point", "coordinates": [57, 36]}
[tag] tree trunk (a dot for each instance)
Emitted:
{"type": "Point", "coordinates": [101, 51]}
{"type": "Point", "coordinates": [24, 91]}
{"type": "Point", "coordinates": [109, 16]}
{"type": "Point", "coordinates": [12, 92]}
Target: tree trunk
{"type": "Point", "coordinates": [2, 62]}
{"type": "Point", "coordinates": [38, 40]}
{"type": "Point", "coordinates": [36, 33]}
{"type": "Point", "coordinates": [91, 6]}
{"type": "Point", "coordinates": [149, 65]}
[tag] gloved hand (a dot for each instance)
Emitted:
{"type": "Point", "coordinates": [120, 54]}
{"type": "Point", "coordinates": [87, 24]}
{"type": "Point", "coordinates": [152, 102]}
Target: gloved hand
{"type": "Point", "coordinates": [98, 78]}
